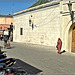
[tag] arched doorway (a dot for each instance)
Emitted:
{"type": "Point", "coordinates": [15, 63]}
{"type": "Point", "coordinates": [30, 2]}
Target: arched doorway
{"type": "Point", "coordinates": [73, 39]}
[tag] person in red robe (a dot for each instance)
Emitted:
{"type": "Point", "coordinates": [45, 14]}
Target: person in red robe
{"type": "Point", "coordinates": [59, 45]}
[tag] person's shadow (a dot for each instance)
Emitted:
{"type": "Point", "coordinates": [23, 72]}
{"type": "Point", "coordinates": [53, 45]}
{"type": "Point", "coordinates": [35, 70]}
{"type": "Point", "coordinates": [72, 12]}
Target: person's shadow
{"type": "Point", "coordinates": [11, 47]}
{"type": "Point", "coordinates": [63, 51]}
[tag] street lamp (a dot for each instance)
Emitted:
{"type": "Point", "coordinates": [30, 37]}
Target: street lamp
{"type": "Point", "coordinates": [71, 12]}
{"type": "Point", "coordinates": [70, 5]}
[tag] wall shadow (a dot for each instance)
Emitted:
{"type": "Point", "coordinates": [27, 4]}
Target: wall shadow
{"type": "Point", "coordinates": [28, 68]}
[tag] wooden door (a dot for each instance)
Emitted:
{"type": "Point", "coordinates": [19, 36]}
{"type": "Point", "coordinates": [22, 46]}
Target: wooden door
{"type": "Point", "coordinates": [73, 40]}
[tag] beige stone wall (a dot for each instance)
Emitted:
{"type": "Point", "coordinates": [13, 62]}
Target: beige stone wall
{"type": "Point", "coordinates": [46, 30]}
{"type": "Point", "coordinates": [6, 20]}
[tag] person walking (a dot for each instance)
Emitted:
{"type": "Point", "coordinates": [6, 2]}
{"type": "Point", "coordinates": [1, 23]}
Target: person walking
{"type": "Point", "coordinates": [1, 37]}
{"type": "Point", "coordinates": [59, 45]}
{"type": "Point", "coordinates": [5, 41]}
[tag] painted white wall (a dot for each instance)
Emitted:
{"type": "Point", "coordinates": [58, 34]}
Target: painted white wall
{"type": "Point", "coordinates": [66, 23]}
{"type": "Point", "coordinates": [50, 25]}
{"type": "Point", "coordinates": [47, 27]}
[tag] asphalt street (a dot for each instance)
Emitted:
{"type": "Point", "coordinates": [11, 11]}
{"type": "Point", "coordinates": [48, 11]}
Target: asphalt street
{"type": "Point", "coordinates": [43, 58]}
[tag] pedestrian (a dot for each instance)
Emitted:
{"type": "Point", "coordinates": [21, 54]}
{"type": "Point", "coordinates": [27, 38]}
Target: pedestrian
{"type": "Point", "coordinates": [5, 41]}
{"type": "Point", "coordinates": [8, 44]}
{"type": "Point", "coordinates": [59, 45]}
{"type": "Point", "coordinates": [1, 37]}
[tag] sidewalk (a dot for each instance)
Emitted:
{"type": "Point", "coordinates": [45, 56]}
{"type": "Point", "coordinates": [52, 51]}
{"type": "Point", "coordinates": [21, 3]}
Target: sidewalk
{"type": "Point", "coordinates": [44, 58]}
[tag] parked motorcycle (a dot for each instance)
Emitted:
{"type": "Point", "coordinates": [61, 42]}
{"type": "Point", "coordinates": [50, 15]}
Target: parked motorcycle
{"type": "Point", "coordinates": [11, 70]}
{"type": "Point", "coordinates": [5, 66]}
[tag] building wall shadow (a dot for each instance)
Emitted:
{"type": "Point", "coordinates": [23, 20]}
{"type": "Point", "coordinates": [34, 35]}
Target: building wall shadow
{"type": "Point", "coordinates": [27, 67]}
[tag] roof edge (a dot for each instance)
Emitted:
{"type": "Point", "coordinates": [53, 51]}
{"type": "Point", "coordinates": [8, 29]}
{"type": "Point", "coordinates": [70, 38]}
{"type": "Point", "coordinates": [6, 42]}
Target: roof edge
{"type": "Point", "coordinates": [6, 15]}
{"type": "Point", "coordinates": [38, 7]}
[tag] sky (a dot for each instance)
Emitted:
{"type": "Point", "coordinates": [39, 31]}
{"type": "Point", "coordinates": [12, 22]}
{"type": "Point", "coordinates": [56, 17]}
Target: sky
{"type": "Point", "coordinates": [12, 6]}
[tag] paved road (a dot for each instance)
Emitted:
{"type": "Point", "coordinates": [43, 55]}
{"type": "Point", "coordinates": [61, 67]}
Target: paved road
{"type": "Point", "coordinates": [44, 58]}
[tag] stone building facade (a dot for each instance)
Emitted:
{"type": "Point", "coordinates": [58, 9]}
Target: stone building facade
{"type": "Point", "coordinates": [44, 24]}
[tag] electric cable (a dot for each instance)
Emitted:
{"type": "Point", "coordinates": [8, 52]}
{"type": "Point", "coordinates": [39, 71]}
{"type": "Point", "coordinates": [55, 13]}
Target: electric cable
{"type": "Point", "coordinates": [45, 23]}
{"type": "Point", "coordinates": [43, 19]}
{"type": "Point", "coordinates": [46, 17]}
{"type": "Point", "coordinates": [49, 21]}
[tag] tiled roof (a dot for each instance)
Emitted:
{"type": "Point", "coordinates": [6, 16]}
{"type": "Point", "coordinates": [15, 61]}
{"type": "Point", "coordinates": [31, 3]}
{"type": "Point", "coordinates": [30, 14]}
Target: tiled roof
{"type": "Point", "coordinates": [38, 7]}
{"type": "Point", "coordinates": [39, 2]}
